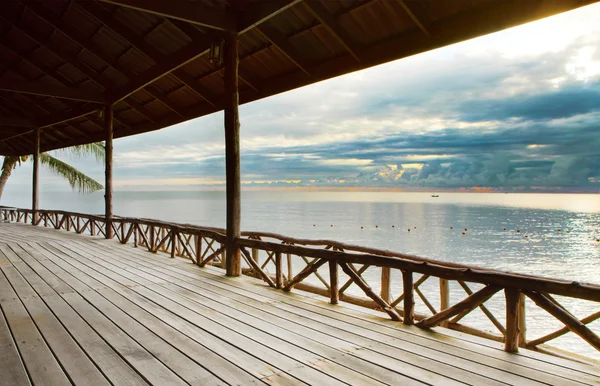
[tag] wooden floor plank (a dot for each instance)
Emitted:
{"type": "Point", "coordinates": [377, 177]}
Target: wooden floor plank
{"type": "Point", "coordinates": [145, 363]}
{"type": "Point", "coordinates": [78, 366]}
{"type": "Point", "coordinates": [212, 362]}
{"type": "Point", "coordinates": [233, 354]}
{"type": "Point", "coordinates": [110, 363]}
{"type": "Point", "coordinates": [357, 353]}
{"type": "Point", "coordinates": [178, 363]}
{"type": "Point", "coordinates": [505, 367]}
{"type": "Point", "coordinates": [11, 366]}
{"type": "Point", "coordinates": [338, 356]}
{"type": "Point", "coordinates": [41, 365]}
{"type": "Point", "coordinates": [316, 369]}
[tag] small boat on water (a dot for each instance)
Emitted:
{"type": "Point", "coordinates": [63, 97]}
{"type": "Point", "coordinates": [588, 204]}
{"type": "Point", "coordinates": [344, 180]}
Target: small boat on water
{"type": "Point", "coordinates": [435, 195]}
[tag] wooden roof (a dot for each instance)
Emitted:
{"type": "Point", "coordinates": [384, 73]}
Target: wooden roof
{"type": "Point", "coordinates": [61, 61]}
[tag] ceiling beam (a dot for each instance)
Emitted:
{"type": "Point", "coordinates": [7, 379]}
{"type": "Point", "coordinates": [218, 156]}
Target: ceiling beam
{"type": "Point", "coordinates": [258, 14]}
{"type": "Point", "coordinates": [54, 91]}
{"type": "Point", "coordinates": [177, 60]}
{"type": "Point", "coordinates": [56, 118]}
{"type": "Point", "coordinates": [277, 39]}
{"type": "Point", "coordinates": [162, 98]}
{"type": "Point", "coordinates": [191, 12]}
{"type": "Point", "coordinates": [414, 17]}
{"type": "Point", "coordinates": [329, 22]}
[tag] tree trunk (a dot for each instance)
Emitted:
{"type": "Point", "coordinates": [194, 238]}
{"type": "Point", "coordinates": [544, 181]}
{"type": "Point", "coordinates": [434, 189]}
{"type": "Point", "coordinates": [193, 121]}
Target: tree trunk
{"type": "Point", "coordinates": [7, 169]}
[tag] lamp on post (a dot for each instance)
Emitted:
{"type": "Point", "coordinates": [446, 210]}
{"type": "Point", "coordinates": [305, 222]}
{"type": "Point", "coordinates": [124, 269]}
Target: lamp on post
{"type": "Point", "coordinates": [215, 55]}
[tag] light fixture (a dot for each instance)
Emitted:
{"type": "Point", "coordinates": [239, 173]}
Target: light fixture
{"type": "Point", "coordinates": [215, 56]}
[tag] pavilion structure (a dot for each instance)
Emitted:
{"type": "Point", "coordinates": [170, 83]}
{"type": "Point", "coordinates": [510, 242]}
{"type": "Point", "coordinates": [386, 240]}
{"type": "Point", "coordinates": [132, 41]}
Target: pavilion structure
{"type": "Point", "coordinates": [74, 72]}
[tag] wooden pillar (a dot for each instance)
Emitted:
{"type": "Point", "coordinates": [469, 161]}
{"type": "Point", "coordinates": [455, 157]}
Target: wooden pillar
{"type": "Point", "coordinates": [108, 146]}
{"type": "Point", "coordinates": [232, 154]}
{"type": "Point", "coordinates": [35, 196]}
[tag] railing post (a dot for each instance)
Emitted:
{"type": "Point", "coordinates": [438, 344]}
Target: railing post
{"type": "Point", "coordinates": [522, 326]}
{"type": "Point", "coordinates": [173, 240]}
{"type": "Point", "coordinates": [135, 234]}
{"type": "Point", "coordinates": [334, 291]}
{"type": "Point", "coordinates": [444, 298]}
{"type": "Point", "coordinates": [256, 257]}
{"type": "Point", "coordinates": [93, 227]}
{"type": "Point", "coordinates": [278, 270]}
{"type": "Point", "coordinates": [35, 199]}
{"type": "Point", "coordinates": [511, 340]}
{"type": "Point", "coordinates": [152, 238]}
{"type": "Point", "coordinates": [198, 244]}
{"type": "Point", "coordinates": [385, 284]}
{"type": "Point", "coordinates": [108, 173]}
{"type": "Point", "coordinates": [409, 299]}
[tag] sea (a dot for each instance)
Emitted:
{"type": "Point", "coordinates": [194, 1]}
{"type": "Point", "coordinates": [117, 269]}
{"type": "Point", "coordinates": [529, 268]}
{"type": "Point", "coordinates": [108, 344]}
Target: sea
{"type": "Point", "coordinates": [550, 235]}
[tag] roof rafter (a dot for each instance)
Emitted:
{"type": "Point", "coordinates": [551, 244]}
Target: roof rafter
{"type": "Point", "coordinates": [54, 119]}
{"type": "Point", "coordinates": [280, 41]}
{"type": "Point", "coordinates": [37, 88]}
{"type": "Point", "coordinates": [196, 13]}
{"type": "Point", "coordinates": [177, 60]}
{"type": "Point", "coordinates": [258, 14]}
{"type": "Point", "coordinates": [164, 100]}
{"type": "Point", "coordinates": [414, 17]}
{"type": "Point", "coordinates": [329, 22]}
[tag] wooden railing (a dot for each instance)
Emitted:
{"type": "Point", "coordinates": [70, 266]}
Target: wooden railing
{"type": "Point", "coordinates": [394, 283]}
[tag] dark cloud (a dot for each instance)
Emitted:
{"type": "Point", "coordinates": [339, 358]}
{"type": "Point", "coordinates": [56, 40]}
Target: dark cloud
{"type": "Point", "coordinates": [561, 103]}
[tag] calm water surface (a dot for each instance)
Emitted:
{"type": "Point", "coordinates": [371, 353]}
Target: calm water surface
{"type": "Point", "coordinates": [561, 231]}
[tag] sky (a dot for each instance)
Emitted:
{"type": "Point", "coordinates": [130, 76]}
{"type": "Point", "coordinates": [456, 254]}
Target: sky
{"type": "Point", "coordinates": [516, 110]}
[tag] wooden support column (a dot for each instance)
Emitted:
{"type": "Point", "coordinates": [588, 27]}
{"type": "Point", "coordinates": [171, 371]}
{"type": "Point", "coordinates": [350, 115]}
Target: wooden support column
{"type": "Point", "coordinates": [108, 209]}
{"type": "Point", "coordinates": [232, 154]}
{"type": "Point", "coordinates": [35, 197]}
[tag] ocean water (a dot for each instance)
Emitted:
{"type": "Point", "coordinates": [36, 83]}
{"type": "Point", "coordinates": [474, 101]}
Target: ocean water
{"type": "Point", "coordinates": [557, 232]}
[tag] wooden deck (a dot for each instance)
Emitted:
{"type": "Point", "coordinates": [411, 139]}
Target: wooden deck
{"type": "Point", "coordinates": [83, 310]}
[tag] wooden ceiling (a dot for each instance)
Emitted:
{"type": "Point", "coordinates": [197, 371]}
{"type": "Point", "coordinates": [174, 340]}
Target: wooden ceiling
{"type": "Point", "coordinates": [61, 61]}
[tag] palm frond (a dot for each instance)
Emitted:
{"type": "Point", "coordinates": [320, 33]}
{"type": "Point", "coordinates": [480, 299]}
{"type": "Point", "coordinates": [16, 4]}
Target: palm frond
{"type": "Point", "coordinates": [77, 179]}
{"type": "Point", "coordinates": [96, 149]}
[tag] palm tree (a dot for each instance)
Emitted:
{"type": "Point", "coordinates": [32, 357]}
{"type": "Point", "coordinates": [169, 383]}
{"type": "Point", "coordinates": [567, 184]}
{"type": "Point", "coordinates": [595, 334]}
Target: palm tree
{"type": "Point", "coordinates": [77, 179]}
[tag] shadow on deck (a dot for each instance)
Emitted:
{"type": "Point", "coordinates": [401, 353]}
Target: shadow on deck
{"type": "Point", "coordinates": [84, 310]}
